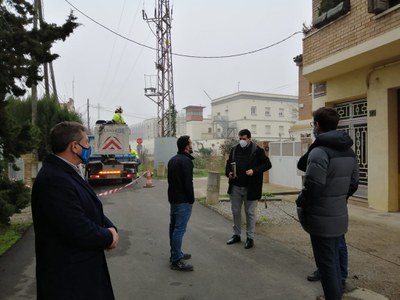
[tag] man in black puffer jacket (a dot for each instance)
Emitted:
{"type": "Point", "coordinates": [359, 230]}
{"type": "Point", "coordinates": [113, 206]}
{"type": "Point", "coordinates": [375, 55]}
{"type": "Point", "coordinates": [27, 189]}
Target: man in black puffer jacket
{"type": "Point", "coordinates": [331, 177]}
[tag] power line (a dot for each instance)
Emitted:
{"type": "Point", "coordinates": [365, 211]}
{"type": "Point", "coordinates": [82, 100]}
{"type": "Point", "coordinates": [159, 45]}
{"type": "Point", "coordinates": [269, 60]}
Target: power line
{"type": "Point", "coordinates": [128, 114]}
{"type": "Point", "coordinates": [181, 54]}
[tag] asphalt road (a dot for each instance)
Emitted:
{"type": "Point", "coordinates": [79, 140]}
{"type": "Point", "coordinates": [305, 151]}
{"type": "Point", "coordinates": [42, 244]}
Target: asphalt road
{"type": "Point", "coordinates": [139, 267]}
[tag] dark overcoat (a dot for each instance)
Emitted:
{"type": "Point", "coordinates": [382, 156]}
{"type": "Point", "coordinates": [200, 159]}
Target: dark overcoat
{"type": "Point", "coordinates": [259, 162]}
{"type": "Point", "coordinates": [70, 236]}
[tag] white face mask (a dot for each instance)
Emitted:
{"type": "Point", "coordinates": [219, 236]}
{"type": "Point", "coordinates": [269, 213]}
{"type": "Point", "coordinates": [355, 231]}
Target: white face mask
{"type": "Point", "coordinates": [242, 143]}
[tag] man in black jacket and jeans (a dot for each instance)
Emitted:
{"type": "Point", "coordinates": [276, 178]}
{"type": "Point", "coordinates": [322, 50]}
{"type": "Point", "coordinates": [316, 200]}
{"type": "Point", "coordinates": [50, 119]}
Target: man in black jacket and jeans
{"type": "Point", "coordinates": [245, 167]}
{"type": "Point", "coordinates": [331, 177]}
{"type": "Point", "coordinates": [181, 198]}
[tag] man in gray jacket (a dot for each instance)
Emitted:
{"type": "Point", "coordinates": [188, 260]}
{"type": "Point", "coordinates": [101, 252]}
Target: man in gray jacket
{"type": "Point", "coordinates": [331, 177]}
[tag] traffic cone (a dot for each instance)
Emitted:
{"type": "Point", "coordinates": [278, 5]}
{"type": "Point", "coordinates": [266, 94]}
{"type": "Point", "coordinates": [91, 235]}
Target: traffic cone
{"type": "Point", "coordinates": [149, 183]}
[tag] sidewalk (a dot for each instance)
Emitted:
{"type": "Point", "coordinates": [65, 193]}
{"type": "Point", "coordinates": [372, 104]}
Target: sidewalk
{"type": "Point", "coordinates": [200, 187]}
{"type": "Point", "coordinates": [356, 213]}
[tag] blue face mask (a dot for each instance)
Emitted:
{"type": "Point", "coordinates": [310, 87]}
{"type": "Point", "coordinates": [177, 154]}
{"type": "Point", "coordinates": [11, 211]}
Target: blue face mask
{"type": "Point", "coordinates": [85, 154]}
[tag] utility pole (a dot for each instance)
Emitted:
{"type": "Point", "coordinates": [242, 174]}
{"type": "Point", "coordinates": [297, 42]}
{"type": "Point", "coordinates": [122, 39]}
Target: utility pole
{"type": "Point", "coordinates": [53, 81]}
{"type": "Point", "coordinates": [88, 115]}
{"type": "Point", "coordinates": [34, 87]}
{"type": "Point", "coordinates": [38, 18]}
{"type": "Point", "coordinates": [163, 95]}
{"type": "Point", "coordinates": [45, 65]}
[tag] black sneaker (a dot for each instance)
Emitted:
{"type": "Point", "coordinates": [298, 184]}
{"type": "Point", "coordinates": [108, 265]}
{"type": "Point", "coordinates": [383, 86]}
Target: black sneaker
{"type": "Point", "coordinates": [181, 265]}
{"type": "Point", "coordinates": [314, 276]}
{"type": "Point", "coordinates": [187, 256]}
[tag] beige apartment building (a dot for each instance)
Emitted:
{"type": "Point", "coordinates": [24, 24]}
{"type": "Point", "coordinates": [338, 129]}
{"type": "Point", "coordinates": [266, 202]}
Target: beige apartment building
{"type": "Point", "coordinates": [351, 61]}
{"type": "Point", "coordinates": [268, 116]}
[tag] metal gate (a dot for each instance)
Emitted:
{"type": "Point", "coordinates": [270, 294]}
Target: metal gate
{"type": "Point", "coordinates": [353, 120]}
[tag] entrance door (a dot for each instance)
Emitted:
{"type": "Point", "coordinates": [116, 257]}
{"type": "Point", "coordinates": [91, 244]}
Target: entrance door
{"type": "Point", "coordinates": [353, 120]}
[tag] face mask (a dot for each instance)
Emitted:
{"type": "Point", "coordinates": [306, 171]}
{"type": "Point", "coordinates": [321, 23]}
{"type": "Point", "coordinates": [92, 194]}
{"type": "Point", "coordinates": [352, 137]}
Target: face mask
{"type": "Point", "coordinates": [242, 143]}
{"type": "Point", "coordinates": [85, 154]}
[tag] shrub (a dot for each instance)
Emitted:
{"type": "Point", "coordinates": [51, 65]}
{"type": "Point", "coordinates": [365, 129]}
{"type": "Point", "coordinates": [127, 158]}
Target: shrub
{"type": "Point", "coordinates": [14, 196]}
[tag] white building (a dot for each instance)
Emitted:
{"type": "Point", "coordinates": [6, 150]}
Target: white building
{"type": "Point", "coordinates": [267, 116]}
{"type": "Point", "coordinates": [146, 130]}
{"type": "Point", "coordinates": [191, 122]}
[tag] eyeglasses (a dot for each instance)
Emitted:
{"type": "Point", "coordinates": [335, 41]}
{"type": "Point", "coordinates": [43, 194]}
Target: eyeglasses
{"type": "Point", "coordinates": [87, 148]}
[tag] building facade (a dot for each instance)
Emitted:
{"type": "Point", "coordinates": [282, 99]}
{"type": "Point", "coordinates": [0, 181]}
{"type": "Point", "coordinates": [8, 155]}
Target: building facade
{"type": "Point", "coordinates": [191, 122]}
{"type": "Point", "coordinates": [268, 116]}
{"type": "Point", "coordinates": [351, 56]}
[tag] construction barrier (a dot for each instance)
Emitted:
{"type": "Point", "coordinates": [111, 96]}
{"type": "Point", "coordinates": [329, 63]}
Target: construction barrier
{"type": "Point", "coordinates": [120, 188]}
{"type": "Point", "coordinates": [149, 182]}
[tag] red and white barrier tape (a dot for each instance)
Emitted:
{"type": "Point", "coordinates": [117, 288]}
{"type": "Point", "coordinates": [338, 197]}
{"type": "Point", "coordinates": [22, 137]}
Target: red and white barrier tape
{"type": "Point", "coordinates": [120, 188]}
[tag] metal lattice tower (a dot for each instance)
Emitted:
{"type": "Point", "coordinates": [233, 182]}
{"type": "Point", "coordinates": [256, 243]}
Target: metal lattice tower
{"type": "Point", "coordinates": [163, 95]}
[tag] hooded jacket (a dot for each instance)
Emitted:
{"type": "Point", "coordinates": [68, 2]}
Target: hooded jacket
{"type": "Point", "coordinates": [331, 176]}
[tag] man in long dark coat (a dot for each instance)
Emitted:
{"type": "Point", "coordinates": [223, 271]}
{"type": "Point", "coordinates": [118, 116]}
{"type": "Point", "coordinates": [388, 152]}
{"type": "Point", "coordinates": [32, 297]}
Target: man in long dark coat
{"type": "Point", "coordinates": [71, 230]}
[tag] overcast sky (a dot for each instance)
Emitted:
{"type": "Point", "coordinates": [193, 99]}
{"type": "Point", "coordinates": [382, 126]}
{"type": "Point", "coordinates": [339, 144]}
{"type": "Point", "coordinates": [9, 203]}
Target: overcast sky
{"type": "Point", "coordinates": [108, 70]}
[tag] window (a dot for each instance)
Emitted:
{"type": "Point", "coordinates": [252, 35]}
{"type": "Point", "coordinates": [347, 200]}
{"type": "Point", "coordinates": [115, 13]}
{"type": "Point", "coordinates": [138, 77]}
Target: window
{"type": "Point", "coordinates": [327, 5]}
{"type": "Point", "coordinates": [281, 112]}
{"type": "Point", "coordinates": [253, 129]}
{"type": "Point", "coordinates": [330, 10]}
{"type": "Point", "coordinates": [378, 6]}
{"type": "Point", "coordinates": [268, 111]}
{"type": "Point", "coordinates": [226, 111]}
{"type": "Point", "coordinates": [253, 110]}
{"type": "Point", "coordinates": [218, 114]}
{"type": "Point", "coordinates": [194, 113]}
{"type": "Point", "coordinates": [281, 130]}
{"type": "Point", "coordinates": [209, 129]}
{"type": "Point", "coordinates": [267, 129]}
{"type": "Point", "coordinates": [393, 2]}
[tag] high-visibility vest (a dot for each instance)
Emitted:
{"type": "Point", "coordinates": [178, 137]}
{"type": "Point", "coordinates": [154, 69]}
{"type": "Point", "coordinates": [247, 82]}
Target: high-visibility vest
{"type": "Point", "coordinates": [117, 118]}
{"type": "Point", "coordinates": [134, 152]}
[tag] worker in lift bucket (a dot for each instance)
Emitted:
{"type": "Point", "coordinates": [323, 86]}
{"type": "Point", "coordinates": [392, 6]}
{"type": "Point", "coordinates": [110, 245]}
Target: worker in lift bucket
{"type": "Point", "coordinates": [117, 117]}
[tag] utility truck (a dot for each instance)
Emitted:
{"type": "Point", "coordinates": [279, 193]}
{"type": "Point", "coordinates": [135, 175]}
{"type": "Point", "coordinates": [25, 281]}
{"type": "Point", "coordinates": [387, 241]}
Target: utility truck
{"type": "Point", "coordinates": [110, 158]}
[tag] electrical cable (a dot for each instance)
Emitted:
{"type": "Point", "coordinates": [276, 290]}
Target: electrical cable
{"type": "Point", "coordinates": [103, 86]}
{"type": "Point", "coordinates": [121, 56]}
{"type": "Point", "coordinates": [138, 116]}
{"type": "Point", "coordinates": [181, 54]}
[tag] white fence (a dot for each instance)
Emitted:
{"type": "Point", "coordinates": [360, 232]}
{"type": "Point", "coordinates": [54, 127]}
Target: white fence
{"type": "Point", "coordinates": [17, 174]}
{"type": "Point", "coordinates": [284, 157]}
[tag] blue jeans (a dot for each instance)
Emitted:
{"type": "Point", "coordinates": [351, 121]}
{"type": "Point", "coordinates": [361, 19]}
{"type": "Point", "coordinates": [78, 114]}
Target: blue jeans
{"type": "Point", "coordinates": [343, 257]}
{"type": "Point", "coordinates": [179, 217]}
{"type": "Point", "coordinates": [326, 254]}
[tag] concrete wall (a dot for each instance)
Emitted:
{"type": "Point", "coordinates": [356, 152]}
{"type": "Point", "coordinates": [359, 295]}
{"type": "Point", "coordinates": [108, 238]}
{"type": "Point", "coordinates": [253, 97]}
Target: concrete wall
{"type": "Point", "coordinates": [379, 85]}
{"type": "Point", "coordinates": [284, 157]}
{"type": "Point", "coordinates": [383, 139]}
